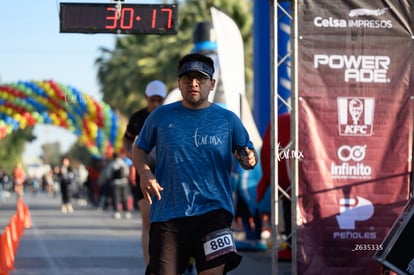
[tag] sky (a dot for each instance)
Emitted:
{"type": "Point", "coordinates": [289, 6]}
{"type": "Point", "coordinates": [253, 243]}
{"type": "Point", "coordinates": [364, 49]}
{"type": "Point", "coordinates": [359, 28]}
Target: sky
{"type": "Point", "coordinates": [32, 48]}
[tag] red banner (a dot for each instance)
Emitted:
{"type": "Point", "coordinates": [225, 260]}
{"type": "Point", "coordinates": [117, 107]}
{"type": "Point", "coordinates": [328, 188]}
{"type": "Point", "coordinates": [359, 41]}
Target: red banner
{"type": "Point", "coordinates": [355, 130]}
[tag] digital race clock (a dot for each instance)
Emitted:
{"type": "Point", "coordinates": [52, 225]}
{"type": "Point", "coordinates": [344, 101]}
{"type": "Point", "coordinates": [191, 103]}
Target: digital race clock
{"type": "Point", "coordinates": [125, 18]}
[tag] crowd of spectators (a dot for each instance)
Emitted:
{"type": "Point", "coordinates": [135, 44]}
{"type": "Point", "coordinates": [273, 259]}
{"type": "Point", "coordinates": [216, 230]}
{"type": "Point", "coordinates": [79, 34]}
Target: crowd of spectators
{"type": "Point", "coordinates": [96, 184]}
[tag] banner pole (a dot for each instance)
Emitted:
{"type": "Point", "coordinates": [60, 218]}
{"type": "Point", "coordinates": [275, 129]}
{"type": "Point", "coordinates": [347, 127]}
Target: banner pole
{"type": "Point", "coordinates": [294, 137]}
{"type": "Point", "coordinates": [411, 192]}
{"type": "Point", "coordinates": [273, 134]}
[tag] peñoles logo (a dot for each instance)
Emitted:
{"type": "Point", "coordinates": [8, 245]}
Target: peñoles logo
{"type": "Point", "coordinates": [352, 210]}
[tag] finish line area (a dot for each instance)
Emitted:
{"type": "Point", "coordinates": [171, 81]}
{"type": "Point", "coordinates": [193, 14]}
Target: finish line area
{"type": "Point", "coordinates": [88, 241]}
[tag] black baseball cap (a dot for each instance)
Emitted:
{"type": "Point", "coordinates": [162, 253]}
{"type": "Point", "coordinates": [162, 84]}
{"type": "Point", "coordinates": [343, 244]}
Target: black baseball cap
{"type": "Point", "coordinates": [196, 63]}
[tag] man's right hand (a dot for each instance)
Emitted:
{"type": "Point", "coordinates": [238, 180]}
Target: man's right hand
{"type": "Point", "coordinates": [150, 186]}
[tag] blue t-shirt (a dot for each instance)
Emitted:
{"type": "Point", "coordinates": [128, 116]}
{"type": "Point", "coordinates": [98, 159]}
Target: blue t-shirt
{"type": "Point", "coordinates": [194, 150]}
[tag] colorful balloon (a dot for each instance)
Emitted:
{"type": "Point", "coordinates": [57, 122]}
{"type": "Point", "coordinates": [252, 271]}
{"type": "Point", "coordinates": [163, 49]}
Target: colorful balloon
{"type": "Point", "coordinates": [26, 103]}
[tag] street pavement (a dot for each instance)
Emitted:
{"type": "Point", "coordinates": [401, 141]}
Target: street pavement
{"type": "Point", "coordinates": [89, 242]}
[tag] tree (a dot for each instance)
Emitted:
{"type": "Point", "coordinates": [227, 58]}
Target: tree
{"type": "Point", "coordinates": [80, 154]}
{"type": "Point", "coordinates": [137, 59]}
{"type": "Point", "coordinates": [51, 153]}
{"type": "Point", "coordinates": [12, 147]}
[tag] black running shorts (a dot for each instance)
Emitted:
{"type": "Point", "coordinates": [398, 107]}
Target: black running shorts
{"type": "Point", "coordinates": [207, 238]}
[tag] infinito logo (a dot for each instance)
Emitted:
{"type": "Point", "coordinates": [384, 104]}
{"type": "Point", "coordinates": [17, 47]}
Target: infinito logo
{"type": "Point", "coordinates": [351, 166]}
{"type": "Point", "coordinates": [355, 116]}
{"type": "Point", "coordinates": [355, 153]}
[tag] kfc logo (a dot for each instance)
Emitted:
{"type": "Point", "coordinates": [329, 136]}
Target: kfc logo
{"type": "Point", "coordinates": [355, 116]}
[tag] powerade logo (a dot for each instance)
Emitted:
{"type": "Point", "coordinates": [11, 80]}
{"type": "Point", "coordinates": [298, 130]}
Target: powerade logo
{"type": "Point", "coordinates": [357, 68]}
{"type": "Point", "coordinates": [351, 166]}
{"type": "Point", "coordinates": [352, 210]}
{"type": "Point", "coordinates": [357, 20]}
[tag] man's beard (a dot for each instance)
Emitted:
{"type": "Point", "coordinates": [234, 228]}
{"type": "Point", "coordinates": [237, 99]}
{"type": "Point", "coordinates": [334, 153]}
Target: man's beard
{"type": "Point", "coordinates": [194, 101]}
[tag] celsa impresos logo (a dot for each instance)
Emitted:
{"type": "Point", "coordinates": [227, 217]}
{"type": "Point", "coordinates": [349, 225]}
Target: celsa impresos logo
{"type": "Point", "coordinates": [357, 68]}
{"type": "Point", "coordinates": [351, 211]}
{"type": "Point", "coordinates": [358, 18]}
{"type": "Point", "coordinates": [355, 116]}
{"type": "Point", "coordinates": [351, 165]}
{"type": "Point", "coordinates": [367, 12]}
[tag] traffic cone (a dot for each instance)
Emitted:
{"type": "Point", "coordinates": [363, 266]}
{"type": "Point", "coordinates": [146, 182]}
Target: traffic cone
{"type": "Point", "coordinates": [18, 219]}
{"type": "Point", "coordinates": [20, 215]}
{"type": "Point", "coordinates": [8, 248]}
{"type": "Point", "coordinates": [3, 266]}
{"type": "Point", "coordinates": [14, 231]}
{"type": "Point", "coordinates": [20, 201]}
{"type": "Point", "coordinates": [27, 217]}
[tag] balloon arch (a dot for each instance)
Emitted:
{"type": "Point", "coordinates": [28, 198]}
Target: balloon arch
{"type": "Point", "coordinates": [26, 103]}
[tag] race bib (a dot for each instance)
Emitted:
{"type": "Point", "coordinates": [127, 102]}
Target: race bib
{"type": "Point", "coordinates": [218, 243]}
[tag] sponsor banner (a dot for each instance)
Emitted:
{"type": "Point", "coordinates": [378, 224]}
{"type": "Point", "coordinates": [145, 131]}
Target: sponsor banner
{"type": "Point", "coordinates": [354, 17]}
{"type": "Point", "coordinates": [351, 187]}
{"type": "Point", "coordinates": [355, 130]}
{"type": "Point", "coordinates": [361, 67]}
